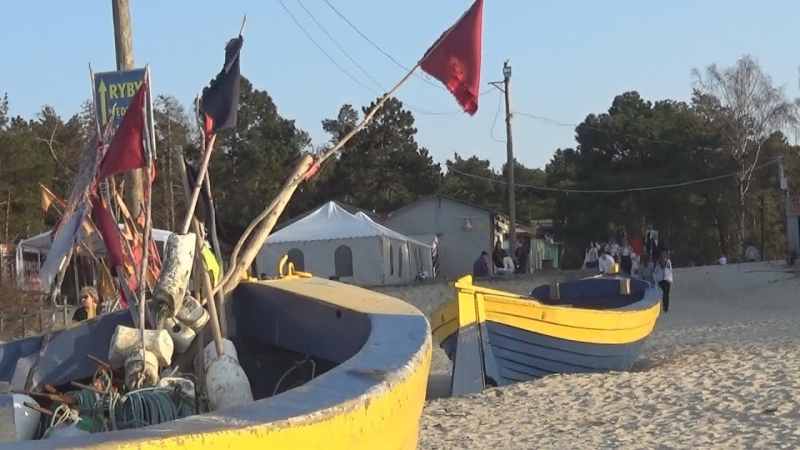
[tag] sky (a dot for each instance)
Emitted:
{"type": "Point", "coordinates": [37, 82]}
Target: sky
{"type": "Point", "coordinates": [569, 58]}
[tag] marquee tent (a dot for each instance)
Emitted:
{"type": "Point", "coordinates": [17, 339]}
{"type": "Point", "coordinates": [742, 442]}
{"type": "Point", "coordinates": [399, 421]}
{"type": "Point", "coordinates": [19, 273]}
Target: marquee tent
{"type": "Point", "coordinates": [332, 243]}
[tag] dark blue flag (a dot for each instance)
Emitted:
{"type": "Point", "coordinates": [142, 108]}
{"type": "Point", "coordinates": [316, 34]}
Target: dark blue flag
{"type": "Point", "coordinates": [220, 100]}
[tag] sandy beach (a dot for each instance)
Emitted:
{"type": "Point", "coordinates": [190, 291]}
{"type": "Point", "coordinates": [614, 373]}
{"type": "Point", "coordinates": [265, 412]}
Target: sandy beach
{"type": "Point", "coordinates": [721, 370]}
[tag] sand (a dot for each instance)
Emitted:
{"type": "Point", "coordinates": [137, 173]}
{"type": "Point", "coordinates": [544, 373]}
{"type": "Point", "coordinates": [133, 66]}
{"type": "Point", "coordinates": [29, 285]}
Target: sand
{"type": "Point", "coordinates": [721, 370]}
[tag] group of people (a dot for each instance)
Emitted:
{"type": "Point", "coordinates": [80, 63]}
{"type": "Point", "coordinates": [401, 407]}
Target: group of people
{"type": "Point", "coordinates": [647, 258]}
{"type": "Point", "coordinates": [503, 263]}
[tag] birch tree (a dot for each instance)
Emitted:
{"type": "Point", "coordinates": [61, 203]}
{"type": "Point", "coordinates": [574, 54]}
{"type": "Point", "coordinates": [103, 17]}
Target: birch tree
{"type": "Point", "coordinates": [747, 108]}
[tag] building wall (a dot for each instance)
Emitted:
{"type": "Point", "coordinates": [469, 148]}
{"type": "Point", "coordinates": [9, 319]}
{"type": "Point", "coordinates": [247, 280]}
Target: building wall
{"type": "Point", "coordinates": [445, 218]}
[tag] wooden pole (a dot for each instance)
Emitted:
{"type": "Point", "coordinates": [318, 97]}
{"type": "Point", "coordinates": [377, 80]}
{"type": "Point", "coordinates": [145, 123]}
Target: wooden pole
{"type": "Point", "coordinates": [141, 276]}
{"type": "Point", "coordinates": [195, 194]}
{"type": "Point", "coordinates": [123, 42]}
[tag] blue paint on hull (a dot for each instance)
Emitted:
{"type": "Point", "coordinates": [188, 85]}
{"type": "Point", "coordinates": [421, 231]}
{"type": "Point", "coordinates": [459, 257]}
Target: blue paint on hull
{"type": "Point", "coordinates": [524, 355]}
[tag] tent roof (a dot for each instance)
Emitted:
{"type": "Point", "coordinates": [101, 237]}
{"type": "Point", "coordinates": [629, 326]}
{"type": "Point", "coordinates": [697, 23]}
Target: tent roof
{"type": "Point", "coordinates": [329, 222]}
{"type": "Point", "coordinates": [42, 242]}
{"type": "Point", "coordinates": [388, 232]}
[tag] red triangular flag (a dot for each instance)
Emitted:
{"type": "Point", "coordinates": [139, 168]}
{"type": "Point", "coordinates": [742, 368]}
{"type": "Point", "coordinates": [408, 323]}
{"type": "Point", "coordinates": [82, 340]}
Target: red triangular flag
{"type": "Point", "coordinates": [455, 59]}
{"type": "Point", "coordinates": [126, 150]}
{"type": "Point", "coordinates": [109, 232]}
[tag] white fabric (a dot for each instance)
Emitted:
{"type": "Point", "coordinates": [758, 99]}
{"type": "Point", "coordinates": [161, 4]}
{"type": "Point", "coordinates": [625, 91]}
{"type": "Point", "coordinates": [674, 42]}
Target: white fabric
{"type": "Point", "coordinates": [625, 250]}
{"type": "Point", "coordinates": [605, 263]}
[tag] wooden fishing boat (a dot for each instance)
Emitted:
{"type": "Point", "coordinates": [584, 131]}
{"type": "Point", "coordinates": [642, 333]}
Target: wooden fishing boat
{"type": "Point", "coordinates": [362, 359]}
{"type": "Point", "coordinates": [589, 325]}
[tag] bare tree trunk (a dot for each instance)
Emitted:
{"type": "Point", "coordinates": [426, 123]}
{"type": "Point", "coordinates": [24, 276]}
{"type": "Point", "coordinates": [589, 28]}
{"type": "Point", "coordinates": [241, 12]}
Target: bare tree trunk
{"type": "Point", "coordinates": [742, 224]}
{"type": "Point", "coordinates": [8, 214]}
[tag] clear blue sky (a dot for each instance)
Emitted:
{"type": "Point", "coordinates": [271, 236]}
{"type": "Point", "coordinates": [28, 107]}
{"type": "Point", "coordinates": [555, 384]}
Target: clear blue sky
{"type": "Point", "coordinates": [570, 58]}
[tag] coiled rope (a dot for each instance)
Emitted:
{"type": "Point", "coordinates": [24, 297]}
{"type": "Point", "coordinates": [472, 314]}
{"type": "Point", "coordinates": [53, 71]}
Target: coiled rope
{"type": "Point", "coordinates": [108, 411]}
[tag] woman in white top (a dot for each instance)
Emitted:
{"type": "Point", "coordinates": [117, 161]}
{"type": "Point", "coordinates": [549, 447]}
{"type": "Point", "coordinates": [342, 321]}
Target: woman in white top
{"type": "Point", "coordinates": [663, 276]}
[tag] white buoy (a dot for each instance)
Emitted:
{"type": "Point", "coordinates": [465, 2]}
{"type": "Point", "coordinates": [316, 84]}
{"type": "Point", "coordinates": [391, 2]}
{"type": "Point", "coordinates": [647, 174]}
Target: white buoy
{"type": "Point", "coordinates": [176, 269]}
{"type": "Point", "coordinates": [192, 313]}
{"type": "Point", "coordinates": [141, 370]}
{"type": "Point", "coordinates": [226, 383]}
{"type": "Point", "coordinates": [127, 340]}
{"type": "Point", "coordinates": [25, 419]}
{"type": "Point", "coordinates": [210, 352]}
{"type": "Point", "coordinates": [187, 386]}
{"type": "Point", "coordinates": [182, 336]}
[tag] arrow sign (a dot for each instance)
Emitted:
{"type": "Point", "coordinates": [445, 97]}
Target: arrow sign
{"type": "Point", "coordinates": [113, 93]}
{"type": "Point", "coordinates": [101, 93]}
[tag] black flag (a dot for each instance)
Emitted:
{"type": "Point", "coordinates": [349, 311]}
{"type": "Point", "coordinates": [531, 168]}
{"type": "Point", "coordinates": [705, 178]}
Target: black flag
{"type": "Point", "coordinates": [220, 100]}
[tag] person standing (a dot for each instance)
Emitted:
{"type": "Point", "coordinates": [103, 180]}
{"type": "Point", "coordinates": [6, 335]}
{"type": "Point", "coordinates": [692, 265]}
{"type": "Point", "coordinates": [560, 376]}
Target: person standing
{"type": "Point", "coordinates": [625, 252]}
{"type": "Point", "coordinates": [663, 276]}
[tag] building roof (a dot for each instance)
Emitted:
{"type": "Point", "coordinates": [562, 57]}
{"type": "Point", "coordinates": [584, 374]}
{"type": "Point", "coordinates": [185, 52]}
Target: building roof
{"type": "Point", "coordinates": [443, 197]}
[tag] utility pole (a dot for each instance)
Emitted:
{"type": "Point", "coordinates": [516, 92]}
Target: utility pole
{"type": "Point", "coordinates": [510, 163]}
{"type": "Point", "coordinates": [123, 43]}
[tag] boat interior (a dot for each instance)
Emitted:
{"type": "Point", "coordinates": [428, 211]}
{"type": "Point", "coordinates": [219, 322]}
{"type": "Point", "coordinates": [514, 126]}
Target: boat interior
{"type": "Point", "coordinates": [599, 293]}
{"type": "Point", "coordinates": [283, 340]}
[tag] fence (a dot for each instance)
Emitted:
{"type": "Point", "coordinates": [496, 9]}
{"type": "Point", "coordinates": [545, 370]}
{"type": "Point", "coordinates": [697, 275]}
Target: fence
{"type": "Point", "coordinates": [30, 322]}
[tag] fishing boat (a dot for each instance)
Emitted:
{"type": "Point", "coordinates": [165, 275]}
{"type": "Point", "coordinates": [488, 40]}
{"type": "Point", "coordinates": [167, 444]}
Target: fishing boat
{"type": "Point", "coordinates": [361, 358]}
{"type": "Point", "coordinates": [593, 324]}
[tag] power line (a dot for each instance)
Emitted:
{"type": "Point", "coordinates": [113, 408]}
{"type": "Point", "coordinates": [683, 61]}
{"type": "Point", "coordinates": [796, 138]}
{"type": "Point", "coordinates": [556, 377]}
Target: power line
{"type": "Point", "coordinates": [609, 191]}
{"type": "Point", "coordinates": [339, 46]}
{"type": "Point", "coordinates": [377, 47]}
{"type": "Point", "coordinates": [606, 131]}
{"type": "Point", "coordinates": [342, 69]}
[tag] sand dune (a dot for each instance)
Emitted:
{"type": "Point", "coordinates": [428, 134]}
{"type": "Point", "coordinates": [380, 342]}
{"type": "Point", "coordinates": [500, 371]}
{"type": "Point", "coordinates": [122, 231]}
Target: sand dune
{"type": "Point", "coordinates": [722, 370]}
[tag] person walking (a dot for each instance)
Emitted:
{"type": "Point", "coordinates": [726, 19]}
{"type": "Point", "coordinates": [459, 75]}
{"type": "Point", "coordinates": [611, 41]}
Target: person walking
{"type": "Point", "coordinates": [663, 276]}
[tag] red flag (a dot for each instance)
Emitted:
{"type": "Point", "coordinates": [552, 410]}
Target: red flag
{"type": "Point", "coordinates": [455, 59]}
{"type": "Point", "coordinates": [126, 150]}
{"type": "Point", "coordinates": [109, 232]}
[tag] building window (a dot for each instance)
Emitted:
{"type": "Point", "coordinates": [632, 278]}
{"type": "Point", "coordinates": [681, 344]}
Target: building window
{"type": "Point", "coordinates": [296, 257]}
{"type": "Point", "coordinates": [391, 260]}
{"type": "Point", "coordinates": [343, 261]}
{"type": "Point", "coordinates": [400, 261]}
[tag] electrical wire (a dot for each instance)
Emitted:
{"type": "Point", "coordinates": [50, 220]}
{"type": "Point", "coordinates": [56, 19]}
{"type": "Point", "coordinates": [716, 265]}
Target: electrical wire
{"type": "Point", "coordinates": [494, 122]}
{"type": "Point", "coordinates": [610, 191]}
{"type": "Point", "coordinates": [606, 131]}
{"type": "Point", "coordinates": [345, 71]}
{"type": "Point", "coordinates": [386, 54]}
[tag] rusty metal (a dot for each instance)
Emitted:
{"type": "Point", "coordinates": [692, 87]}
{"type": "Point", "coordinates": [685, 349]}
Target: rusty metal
{"type": "Point", "coordinates": [86, 387]}
{"type": "Point", "coordinates": [60, 398]}
{"type": "Point", "coordinates": [38, 408]}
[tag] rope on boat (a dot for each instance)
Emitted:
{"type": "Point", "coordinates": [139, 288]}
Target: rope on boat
{"type": "Point", "coordinates": [292, 369]}
{"type": "Point", "coordinates": [105, 410]}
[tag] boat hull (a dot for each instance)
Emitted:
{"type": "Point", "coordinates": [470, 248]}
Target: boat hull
{"type": "Point", "coordinates": [511, 338]}
{"type": "Point", "coordinates": [522, 355]}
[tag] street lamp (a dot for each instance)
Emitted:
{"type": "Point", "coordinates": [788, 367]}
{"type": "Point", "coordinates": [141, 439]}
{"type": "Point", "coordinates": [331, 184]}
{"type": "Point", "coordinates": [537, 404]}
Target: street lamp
{"type": "Point", "coordinates": [506, 70]}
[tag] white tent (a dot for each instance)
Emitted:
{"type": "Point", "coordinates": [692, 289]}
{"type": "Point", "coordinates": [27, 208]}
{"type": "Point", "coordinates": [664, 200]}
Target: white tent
{"type": "Point", "coordinates": [38, 246]}
{"type": "Point", "coordinates": [331, 242]}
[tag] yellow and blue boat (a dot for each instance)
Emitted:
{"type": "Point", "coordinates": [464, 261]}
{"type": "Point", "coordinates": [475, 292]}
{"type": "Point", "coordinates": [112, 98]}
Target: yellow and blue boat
{"type": "Point", "coordinates": [593, 324]}
{"type": "Point", "coordinates": [361, 360]}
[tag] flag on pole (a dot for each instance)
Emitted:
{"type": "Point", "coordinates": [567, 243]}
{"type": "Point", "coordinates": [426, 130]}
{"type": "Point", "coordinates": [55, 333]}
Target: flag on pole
{"type": "Point", "coordinates": [109, 231]}
{"type": "Point", "coordinates": [48, 198]}
{"type": "Point", "coordinates": [220, 100]}
{"type": "Point", "coordinates": [126, 151]}
{"type": "Point", "coordinates": [455, 59]}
